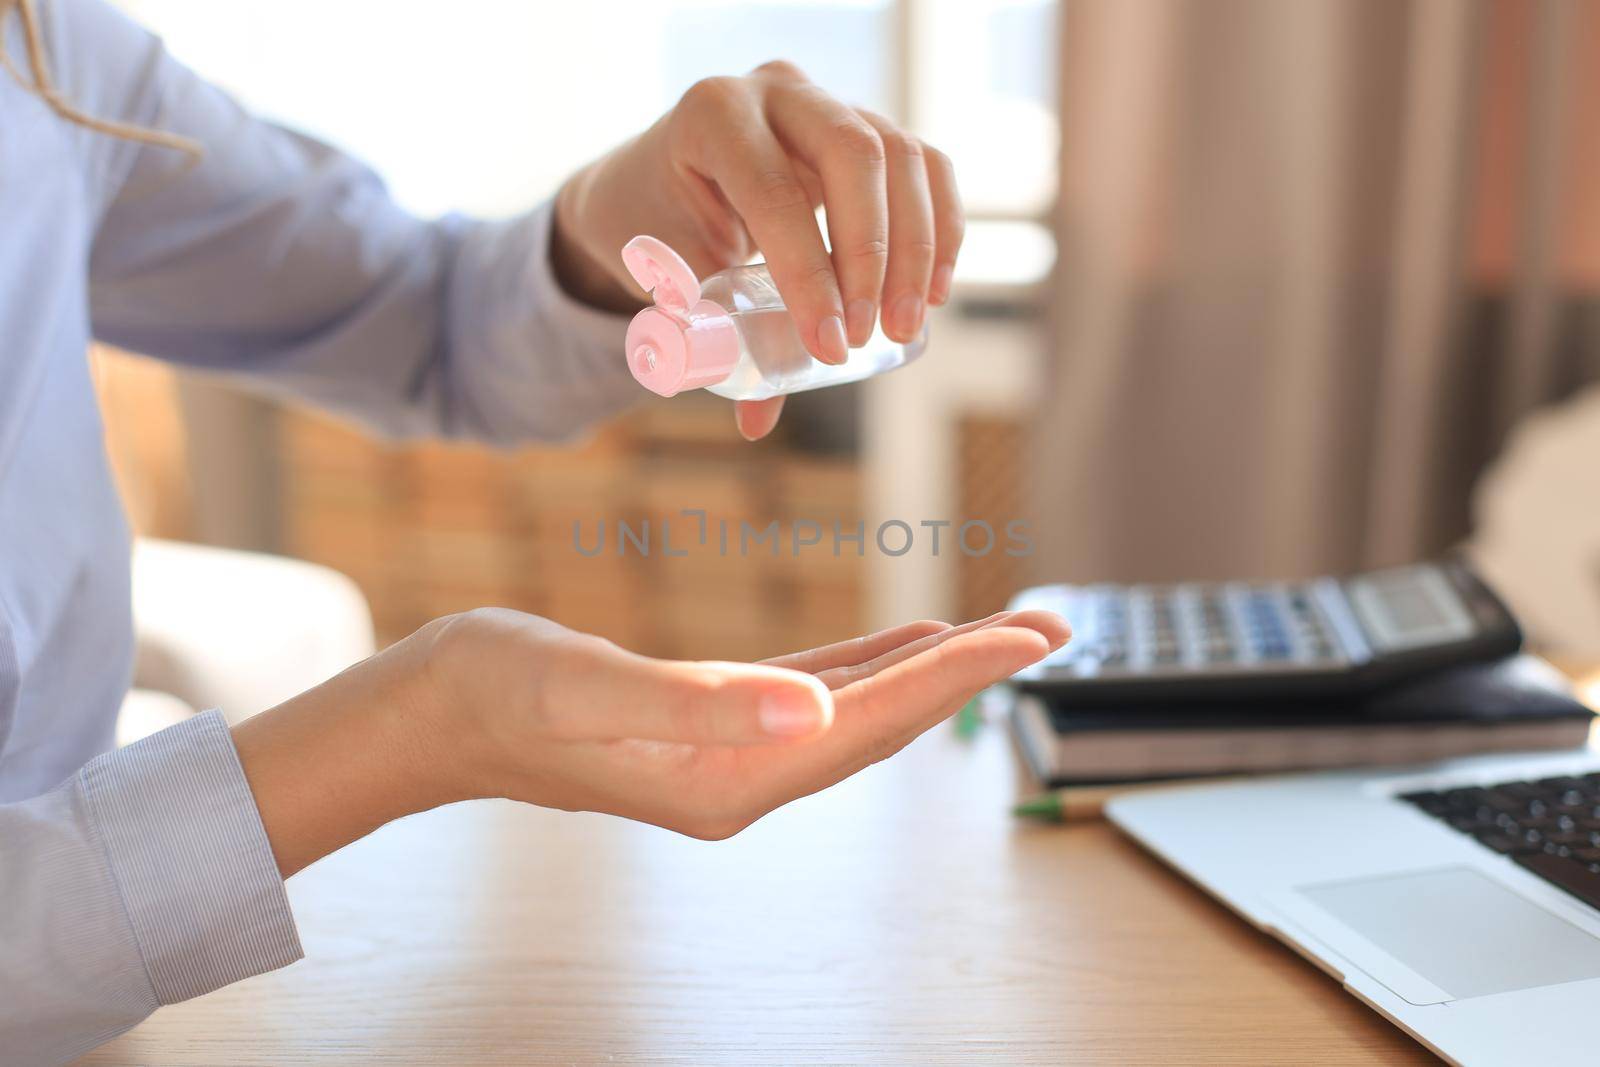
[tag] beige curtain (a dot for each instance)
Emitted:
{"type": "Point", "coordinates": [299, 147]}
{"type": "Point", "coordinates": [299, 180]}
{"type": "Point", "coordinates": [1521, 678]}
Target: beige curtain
{"type": "Point", "coordinates": [1317, 257]}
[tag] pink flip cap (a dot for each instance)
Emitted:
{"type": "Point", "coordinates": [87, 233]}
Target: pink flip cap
{"type": "Point", "coordinates": [683, 342]}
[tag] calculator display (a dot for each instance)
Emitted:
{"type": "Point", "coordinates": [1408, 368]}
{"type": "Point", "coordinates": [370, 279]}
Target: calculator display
{"type": "Point", "coordinates": [1409, 607]}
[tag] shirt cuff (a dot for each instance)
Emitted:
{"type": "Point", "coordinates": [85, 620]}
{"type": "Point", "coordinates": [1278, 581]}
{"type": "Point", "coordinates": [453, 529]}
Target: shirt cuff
{"type": "Point", "coordinates": [191, 859]}
{"type": "Point", "coordinates": [537, 363]}
{"type": "Point", "coordinates": [600, 330]}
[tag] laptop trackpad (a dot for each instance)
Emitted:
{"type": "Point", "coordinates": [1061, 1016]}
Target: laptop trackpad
{"type": "Point", "coordinates": [1458, 929]}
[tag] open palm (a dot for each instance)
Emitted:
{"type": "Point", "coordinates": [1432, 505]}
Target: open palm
{"type": "Point", "coordinates": [677, 744]}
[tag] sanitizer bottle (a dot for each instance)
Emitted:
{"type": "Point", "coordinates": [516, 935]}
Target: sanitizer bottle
{"type": "Point", "coordinates": [731, 334]}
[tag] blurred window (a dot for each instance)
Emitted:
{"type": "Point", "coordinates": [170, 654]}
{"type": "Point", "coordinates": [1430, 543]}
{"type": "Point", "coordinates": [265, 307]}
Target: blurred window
{"type": "Point", "coordinates": [982, 87]}
{"type": "Point", "coordinates": [485, 105]}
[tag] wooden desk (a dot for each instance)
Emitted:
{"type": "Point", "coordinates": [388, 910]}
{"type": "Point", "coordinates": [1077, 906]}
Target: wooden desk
{"type": "Point", "coordinates": [899, 918]}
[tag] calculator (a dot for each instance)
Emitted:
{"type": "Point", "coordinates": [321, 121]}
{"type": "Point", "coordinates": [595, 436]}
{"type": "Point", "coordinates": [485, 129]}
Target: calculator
{"type": "Point", "coordinates": [1330, 636]}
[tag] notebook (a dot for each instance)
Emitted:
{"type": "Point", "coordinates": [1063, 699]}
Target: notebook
{"type": "Point", "coordinates": [1517, 704]}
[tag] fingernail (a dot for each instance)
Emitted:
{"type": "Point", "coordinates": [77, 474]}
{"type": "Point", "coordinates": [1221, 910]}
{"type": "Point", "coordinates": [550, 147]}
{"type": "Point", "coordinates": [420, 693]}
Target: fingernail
{"type": "Point", "coordinates": [858, 317]}
{"type": "Point", "coordinates": [831, 341]}
{"type": "Point", "coordinates": [907, 316]}
{"type": "Point", "coordinates": [939, 291]}
{"type": "Point", "coordinates": [789, 714]}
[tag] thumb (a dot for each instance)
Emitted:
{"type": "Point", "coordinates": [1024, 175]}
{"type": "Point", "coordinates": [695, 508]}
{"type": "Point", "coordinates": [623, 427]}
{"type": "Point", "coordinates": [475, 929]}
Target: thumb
{"type": "Point", "coordinates": [608, 693]}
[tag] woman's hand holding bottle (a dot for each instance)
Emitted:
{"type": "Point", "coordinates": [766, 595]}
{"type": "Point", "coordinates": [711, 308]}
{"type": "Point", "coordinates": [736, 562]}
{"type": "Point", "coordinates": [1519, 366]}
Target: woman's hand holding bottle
{"type": "Point", "coordinates": [741, 164]}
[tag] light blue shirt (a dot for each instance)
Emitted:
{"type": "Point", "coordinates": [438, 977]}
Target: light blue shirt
{"type": "Point", "coordinates": [140, 877]}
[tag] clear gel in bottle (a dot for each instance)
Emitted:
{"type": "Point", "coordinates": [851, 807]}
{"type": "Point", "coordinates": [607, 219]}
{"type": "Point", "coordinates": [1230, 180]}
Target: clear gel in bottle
{"type": "Point", "coordinates": [731, 334]}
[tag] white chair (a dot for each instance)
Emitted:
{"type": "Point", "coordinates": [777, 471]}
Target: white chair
{"type": "Point", "coordinates": [237, 631]}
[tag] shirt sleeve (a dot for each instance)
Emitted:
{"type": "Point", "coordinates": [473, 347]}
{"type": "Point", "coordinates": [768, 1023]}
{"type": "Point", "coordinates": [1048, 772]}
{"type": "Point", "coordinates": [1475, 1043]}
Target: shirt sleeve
{"type": "Point", "coordinates": [143, 880]}
{"type": "Point", "coordinates": [282, 261]}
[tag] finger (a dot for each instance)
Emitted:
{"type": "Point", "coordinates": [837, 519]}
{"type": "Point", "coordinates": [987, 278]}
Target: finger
{"type": "Point", "coordinates": [885, 712]}
{"type": "Point", "coordinates": [736, 149]}
{"type": "Point", "coordinates": [911, 231]}
{"type": "Point", "coordinates": [756, 418]}
{"type": "Point", "coordinates": [847, 155]}
{"type": "Point", "coordinates": [810, 179]}
{"type": "Point", "coordinates": [844, 674]}
{"type": "Point", "coordinates": [858, 649]}
{"type": "Point", "coordinates": [1044, 622]}
{"type": "Point", "coordinates": [1054, 629]}
{"type": "Point", "coordinates": [877, 717]}
{"type": "Point", "coordinates": [949, 223]}
{"type": "Point", "coordinates": [596, 691]}
{"type": "Point", "coordinates": [1052, 626]}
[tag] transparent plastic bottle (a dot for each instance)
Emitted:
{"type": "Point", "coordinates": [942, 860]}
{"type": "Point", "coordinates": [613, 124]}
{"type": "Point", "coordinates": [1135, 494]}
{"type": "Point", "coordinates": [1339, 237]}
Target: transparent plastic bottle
{"type": "Point", "coordinates": [731, 334]}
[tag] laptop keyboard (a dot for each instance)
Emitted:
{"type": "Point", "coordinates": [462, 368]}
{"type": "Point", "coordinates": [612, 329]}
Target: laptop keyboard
{"type": "Point", "coordinates": [1551, 826]}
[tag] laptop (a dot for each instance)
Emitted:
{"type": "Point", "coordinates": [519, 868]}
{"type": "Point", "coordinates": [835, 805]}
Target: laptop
{"type": "Point", "coordinates": [1461, 900]}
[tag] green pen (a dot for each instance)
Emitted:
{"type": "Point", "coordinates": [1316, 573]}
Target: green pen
{"type": "Point", "coordinates": [1083, 802]}
{"type": "Point", "coordinates": [1045, 806]}
{"type": "Point", "coordinates": [1072, 804]}
{"type": "Point", "coordinates": [969, 719]}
